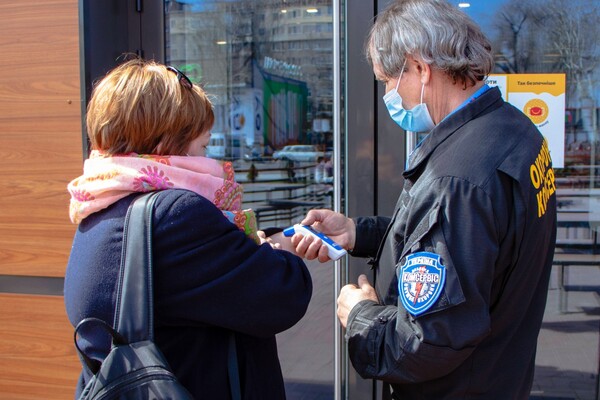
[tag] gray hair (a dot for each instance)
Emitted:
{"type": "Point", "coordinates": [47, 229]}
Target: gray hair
{"type": "Point", "coordinates": [437, 32]}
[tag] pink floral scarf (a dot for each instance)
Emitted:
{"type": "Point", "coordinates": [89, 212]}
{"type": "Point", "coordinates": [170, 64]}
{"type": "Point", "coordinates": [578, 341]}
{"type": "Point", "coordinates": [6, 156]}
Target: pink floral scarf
{"type": "Point", "coordinates": [107, 179]}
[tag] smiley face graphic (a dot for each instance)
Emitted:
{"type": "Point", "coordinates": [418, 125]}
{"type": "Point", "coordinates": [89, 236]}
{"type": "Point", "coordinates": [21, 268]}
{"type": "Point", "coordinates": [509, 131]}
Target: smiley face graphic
{"type": "Point", "coordinates": [536, 110]}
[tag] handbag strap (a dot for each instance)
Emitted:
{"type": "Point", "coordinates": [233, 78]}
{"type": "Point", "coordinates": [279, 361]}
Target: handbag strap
{"type": "Point", "coordinates": [92, 364]}
{"type": "Point", "coordinates": [134, 313]}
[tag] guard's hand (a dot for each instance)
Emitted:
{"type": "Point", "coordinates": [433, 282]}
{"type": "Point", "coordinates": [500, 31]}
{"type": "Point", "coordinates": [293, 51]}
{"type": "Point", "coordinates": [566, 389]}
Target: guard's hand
{"type": "Point", "coordinates": [335, 225]}
{"type": "Point", "coordinates": [310, 247]}
{"type": "Point", "coordinates": [351, 295]}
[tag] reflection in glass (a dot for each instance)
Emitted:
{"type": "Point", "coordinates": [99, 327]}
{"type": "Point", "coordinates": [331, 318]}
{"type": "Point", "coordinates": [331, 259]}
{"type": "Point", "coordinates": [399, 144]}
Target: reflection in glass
{"type": "Point", "coordinates": [556, 36]}
{"type": "Point", "coordinates": [268, 66]}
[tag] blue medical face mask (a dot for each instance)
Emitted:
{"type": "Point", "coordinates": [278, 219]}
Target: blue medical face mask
{"type": "Point", "coordinates": [415, 120]}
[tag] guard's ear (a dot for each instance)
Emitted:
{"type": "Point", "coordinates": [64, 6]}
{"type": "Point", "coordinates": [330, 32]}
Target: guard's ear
{"type": "Point", "coordinates": [423, 69]}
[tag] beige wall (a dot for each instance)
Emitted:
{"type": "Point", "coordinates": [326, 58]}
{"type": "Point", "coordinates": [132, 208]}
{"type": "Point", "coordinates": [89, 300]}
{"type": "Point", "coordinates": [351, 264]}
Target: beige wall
{"type": "Point", "coordinates": [40, 151]}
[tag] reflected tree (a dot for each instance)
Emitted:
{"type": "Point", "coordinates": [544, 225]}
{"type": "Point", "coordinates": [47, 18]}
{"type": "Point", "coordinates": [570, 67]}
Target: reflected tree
{"type": "Point", "coordinates": [573, 39]}
{"type": "Point", "coordinates": [518, 42]}
{"type": "Point", "coordinates": [557, 36]}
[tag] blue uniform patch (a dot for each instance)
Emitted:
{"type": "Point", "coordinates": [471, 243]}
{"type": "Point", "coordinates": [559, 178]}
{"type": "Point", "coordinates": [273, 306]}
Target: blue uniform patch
{"type": "Point", "coordinates": [421, 281]}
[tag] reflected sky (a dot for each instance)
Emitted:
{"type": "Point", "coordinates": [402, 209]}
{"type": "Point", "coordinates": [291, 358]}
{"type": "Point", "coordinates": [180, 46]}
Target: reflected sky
{"type": "Point", "coordinates": [481, 11]}
{"type": "Point", "coordinates": [203, 5]}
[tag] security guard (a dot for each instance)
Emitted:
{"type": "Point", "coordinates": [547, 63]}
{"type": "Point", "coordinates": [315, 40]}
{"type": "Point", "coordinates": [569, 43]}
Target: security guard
{"type": "Point", "coordinates": [462, 267]}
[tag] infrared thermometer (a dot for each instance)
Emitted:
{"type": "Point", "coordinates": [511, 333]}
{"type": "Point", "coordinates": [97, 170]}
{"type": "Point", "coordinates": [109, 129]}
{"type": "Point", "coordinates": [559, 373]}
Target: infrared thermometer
{"type": "Point", "coordinates": [334, 250]}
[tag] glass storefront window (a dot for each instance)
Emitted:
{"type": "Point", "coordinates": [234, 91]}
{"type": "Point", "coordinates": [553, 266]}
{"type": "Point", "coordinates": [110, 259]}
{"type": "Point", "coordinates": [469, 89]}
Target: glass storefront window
{"type": "Point", "coordinates": [560, 37]}
{"type": "Point", "coordinates": [539, 37]}
{"type": "Point", "coordinates": [268, 67]}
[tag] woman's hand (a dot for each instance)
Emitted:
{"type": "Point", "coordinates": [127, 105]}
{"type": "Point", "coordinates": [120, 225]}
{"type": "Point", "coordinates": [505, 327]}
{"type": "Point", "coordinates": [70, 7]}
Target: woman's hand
{"type": "Point", "coordinates": [277, 241]}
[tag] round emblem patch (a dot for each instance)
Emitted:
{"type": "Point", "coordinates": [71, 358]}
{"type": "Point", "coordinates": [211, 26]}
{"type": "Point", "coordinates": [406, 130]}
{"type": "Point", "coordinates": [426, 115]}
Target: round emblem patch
{"type": "Point", "coordinates": [421, 281]}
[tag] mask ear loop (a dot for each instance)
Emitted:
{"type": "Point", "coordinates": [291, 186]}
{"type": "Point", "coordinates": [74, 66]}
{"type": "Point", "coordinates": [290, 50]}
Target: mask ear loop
{"type": "Point", "coordinates": [422, 91]}
{"type": "Point", "coordinates": [398, 83]}
{"type": "Point", "coordinates": [400, 78]}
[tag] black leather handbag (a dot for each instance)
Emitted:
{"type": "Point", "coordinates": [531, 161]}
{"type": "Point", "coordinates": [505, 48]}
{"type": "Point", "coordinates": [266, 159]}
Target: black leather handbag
{"type": "Point", "coordinates": [135, 368]}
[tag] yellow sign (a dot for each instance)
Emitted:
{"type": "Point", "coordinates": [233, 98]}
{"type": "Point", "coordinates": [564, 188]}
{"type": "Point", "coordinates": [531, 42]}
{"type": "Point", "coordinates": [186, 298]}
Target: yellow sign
{"type": "Point", "coordinates": [542, 98]}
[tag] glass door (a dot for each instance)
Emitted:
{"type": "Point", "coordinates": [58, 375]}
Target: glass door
{"type": "Point", "coordinates": [269, 66]}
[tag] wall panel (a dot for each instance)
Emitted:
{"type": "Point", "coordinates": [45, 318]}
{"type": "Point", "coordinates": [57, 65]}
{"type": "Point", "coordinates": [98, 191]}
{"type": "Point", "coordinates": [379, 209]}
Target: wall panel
{"type": "Point", "coordinates": [37, 356]}
{"type": "Point", "coordinates": [40, 133]}
{"type": "Point", "coordinates": [40, 152]}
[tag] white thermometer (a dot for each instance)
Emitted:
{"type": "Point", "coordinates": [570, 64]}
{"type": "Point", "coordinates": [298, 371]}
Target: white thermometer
{"type": "Point", "coordinates": [334, 250]}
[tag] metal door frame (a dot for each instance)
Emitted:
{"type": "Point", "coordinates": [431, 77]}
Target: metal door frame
{"type": "Point", "coordinates": [375, 156]}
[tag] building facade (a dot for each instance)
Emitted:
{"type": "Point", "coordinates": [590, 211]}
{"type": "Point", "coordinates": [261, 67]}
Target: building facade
{"type": "Point", "coordinates": [280, 72]}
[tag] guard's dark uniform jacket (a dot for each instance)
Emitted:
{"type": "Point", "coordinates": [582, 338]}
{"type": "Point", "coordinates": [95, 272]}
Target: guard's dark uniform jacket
{"type": "Point", "coordinates": [462, 267]}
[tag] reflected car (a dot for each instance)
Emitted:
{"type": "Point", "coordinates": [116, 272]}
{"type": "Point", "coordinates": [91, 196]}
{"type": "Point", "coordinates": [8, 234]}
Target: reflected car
{"type": "Point", "coordinates": [298, 152]}
{"type": "Point", "coordinates": [216, 146]}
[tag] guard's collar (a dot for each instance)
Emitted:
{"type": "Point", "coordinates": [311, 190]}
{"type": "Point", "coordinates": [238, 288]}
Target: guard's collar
{"type": "Point", "coordinates": [489, 101]}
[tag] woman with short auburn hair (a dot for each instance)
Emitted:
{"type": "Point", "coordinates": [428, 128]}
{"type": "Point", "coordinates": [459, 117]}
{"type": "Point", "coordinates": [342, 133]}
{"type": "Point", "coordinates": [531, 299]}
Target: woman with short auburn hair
{"type": "Point", "coordinates": [214, 276]}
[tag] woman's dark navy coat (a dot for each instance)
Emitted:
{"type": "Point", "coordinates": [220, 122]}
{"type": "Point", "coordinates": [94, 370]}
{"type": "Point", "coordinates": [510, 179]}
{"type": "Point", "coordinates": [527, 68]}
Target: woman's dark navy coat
{"type": "Point", "coordinates": [209, 278]}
